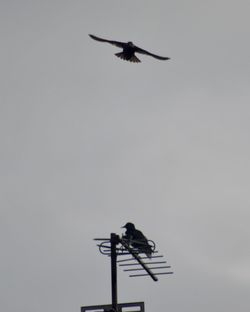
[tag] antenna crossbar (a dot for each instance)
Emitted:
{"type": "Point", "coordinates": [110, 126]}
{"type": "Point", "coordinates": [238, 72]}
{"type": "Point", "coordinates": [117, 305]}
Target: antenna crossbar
{"type": "Point", "coordinates": [151, 268]}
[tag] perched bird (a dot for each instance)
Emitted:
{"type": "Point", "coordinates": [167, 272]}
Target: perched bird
{"type": "Point", "coordinates": [137, 239]}
{"type": "Point", "coordinates": [129, 50]}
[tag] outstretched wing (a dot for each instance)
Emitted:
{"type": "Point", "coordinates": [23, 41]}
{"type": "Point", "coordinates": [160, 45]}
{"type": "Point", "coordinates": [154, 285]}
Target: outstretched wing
{"type": "Point", "coordinates": [139, 50]}
{"type": "Point", "coordinates": [116, 43]}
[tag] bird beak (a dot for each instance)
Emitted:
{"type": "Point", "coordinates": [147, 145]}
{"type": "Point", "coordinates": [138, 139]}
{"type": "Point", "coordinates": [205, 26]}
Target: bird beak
{"type": "Point", "coordinates": [123, 227]}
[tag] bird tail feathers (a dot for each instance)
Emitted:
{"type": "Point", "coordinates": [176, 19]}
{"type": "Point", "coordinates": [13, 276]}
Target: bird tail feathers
{"type": "Point", "coordinates": [133, 59]}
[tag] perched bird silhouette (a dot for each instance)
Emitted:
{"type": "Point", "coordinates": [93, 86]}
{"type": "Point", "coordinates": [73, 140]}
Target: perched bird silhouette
{"type": "Point", "coordinates": [137, 239]}
{"type": "Point", "coordinates": [129, 50]}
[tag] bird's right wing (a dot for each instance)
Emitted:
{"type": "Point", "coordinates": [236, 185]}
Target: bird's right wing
{"type": "Point", "coordinates": [139, 50]}
{"type": "Point", "coordinates": [116, 43]}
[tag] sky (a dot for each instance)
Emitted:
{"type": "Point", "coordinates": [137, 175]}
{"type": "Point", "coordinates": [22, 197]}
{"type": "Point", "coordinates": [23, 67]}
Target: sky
{"type": "Point", "coordinates": [90, 142]}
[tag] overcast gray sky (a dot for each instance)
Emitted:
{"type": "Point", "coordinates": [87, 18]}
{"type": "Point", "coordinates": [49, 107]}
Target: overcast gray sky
{"type": "Point", "coordinates": [89, 142]}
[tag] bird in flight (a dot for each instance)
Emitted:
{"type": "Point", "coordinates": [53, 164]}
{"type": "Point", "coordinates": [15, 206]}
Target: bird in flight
{"type": "Point", "coordinates": [129, 50]}
{"type": "Point", "coordinates": [137, 239]}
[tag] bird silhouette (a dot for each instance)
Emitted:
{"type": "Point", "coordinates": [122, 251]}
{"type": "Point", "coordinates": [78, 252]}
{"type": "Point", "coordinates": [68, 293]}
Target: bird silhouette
{"type": "Point", "coordinates": [129, 50]}
{"type": "Point", "coordinates": [137, 240]}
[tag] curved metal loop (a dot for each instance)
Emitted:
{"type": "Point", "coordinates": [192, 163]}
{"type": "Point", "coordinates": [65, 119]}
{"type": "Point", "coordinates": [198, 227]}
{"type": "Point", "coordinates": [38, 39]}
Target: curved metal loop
{"type": "Point", "coordinates": [104, 248]}
{"type": "Point", "coordinates": [152, 244]}
{"type": "Point", "coordinates": [130, 242]}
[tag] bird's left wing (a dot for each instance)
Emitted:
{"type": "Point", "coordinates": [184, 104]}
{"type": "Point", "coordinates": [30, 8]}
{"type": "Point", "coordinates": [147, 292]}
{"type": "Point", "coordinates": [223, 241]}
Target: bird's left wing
{"type": "Point", "coordinates": [116, 43]}
{"type": "Point", "coordinates": [139, 50]}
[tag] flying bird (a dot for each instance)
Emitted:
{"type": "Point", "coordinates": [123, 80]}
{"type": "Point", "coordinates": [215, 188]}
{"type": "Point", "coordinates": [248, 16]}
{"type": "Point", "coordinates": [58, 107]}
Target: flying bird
{"type": "Point", "coordinates": [129, 50]}
{"type": "Point", "coordinates": [137, 239]}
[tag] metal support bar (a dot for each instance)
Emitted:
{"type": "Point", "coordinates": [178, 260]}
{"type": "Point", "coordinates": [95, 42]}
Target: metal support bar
{"type": "Point", "coordinates": [150, 263]}
{"type": "Point", "coordinates": [114, 239]}
{"type": "Point", "coordinates": [121, 307]}
{"type": "Point", "coordinates": [133, 259]}
{"type": "Point", "coordinates": [136, 275]}
{"type": "Point", "coordinates": [155, 268]}
{"type": "Point", "coordinates": [139, 260]}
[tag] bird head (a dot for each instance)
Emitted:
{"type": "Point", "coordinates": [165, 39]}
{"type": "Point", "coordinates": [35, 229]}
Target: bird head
{"type": "Point", "coordinates": [129, 226]}
{"type": "Point", "coordinates": [130, 44]}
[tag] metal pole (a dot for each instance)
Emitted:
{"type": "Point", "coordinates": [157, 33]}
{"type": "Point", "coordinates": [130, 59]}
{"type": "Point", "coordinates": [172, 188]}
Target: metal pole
{"type": "Point", "coordinates": [114, 238]}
